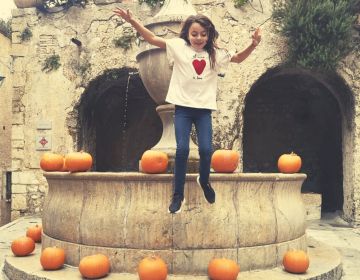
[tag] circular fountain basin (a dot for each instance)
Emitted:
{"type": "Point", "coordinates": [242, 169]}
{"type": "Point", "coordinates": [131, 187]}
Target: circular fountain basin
{"type": "Point", "coordinates": [255, 219]}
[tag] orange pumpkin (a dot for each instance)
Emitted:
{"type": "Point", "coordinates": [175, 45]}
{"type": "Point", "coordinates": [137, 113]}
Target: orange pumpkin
{"type": "Point", "coordinates": [152, 268]}
{"type": "Point", "coordinates": [51, 162]}
{"type": "Point", "coordinates": [223, 269]}
{"type": "Point", "coordinates": [52, 258]}
{"type": "Point", "coordinates": [94, 266]}
{"type": "Point", "coordinates": [22, 246]}
{"type": "Point", "coordinates": [78, 161]}
{"type": "Point", "coordinates": [154, 162]}
{"type": "Point", "coordinates": [289, 163]}
{"type": "Point", "coordinates": [64, 169]}
{"type": "Point", "coordinates": [225, 161]}
{"type": "Point", "coordinates": [296, 261]}
{"type": "Point", "coordinates": [34, 232]}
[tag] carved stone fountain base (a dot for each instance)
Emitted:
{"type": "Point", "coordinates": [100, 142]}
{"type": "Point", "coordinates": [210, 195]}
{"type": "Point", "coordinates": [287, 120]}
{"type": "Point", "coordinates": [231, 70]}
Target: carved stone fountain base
{"type": "Point", "coordinates": [255, 219]}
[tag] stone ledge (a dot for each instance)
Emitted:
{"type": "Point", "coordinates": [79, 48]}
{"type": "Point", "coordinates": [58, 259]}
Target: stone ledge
{"type": "Point", "coordinates": [325, 263]}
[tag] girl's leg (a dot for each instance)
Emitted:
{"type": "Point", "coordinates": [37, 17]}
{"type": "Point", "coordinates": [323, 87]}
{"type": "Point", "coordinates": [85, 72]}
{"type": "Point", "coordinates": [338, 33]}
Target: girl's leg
{"type": "Point", "coordinates": [183, 123]}
{"type": "Point", "coordinates": [204, 134]}
{"type": "Point", "coordinates": [203, 125]}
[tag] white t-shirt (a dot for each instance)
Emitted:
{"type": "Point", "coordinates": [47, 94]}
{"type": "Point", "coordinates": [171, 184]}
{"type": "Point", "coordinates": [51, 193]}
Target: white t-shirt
{"type": "Point", "coordinates": [193, 83]}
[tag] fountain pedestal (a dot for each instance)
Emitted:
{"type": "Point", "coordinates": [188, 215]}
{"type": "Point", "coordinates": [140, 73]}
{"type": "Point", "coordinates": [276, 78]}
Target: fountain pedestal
{"type": "Point", "coordinates": [255, 219]}
{"type": "Point", "coordinates": [155, 73]}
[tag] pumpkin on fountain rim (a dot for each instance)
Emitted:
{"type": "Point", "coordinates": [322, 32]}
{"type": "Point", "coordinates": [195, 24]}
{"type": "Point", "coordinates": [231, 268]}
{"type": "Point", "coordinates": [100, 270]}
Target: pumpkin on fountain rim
{"type": "Point", "coordinates": [78, 162]}
{"type": "Point", "coordinates": [51, 162]}
{"type": "Point", "coordinates": [225, 161]}
{"type": "Point", "coordinates": [289, 163]}
{"type": "Point", "coordinates": [154, 162]}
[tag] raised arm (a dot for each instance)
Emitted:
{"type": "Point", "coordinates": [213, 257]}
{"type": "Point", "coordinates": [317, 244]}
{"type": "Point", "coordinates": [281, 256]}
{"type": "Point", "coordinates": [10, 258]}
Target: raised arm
{"type": "Point", "coordinates": [241, 56]}
{"type": "Point", "coordinates": [144, 32]}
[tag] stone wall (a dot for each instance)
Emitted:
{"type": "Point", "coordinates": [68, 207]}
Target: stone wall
{"type": "Point", "coordinates": [349, 70]}
{"type": "Point", "coordinates": [44, 103]}
{"type": "Point", "coordinates": [5, 110]}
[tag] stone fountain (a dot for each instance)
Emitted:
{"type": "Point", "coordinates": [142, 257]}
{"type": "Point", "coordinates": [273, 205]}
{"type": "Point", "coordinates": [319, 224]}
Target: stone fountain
{"type": "Point", "coordinates": [155, 72]}
{"type": "Point", "coordinates": [255, 219]}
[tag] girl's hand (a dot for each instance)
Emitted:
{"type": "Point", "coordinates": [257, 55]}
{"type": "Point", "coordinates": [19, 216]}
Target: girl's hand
{"type": "Point", "coordinates": [126, 15]}
{"type": "Point", "coordinates": [256, 37]}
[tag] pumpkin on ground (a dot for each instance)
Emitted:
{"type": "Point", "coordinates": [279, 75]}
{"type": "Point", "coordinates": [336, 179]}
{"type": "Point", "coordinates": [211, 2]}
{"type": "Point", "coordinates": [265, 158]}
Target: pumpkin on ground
{"type": "Point", "coordinates": [289, 163]}
{"type": "Point", "coordinates": [34, 232]}
{"type": "Point", "coordinates": [296, 261]}
{"type": "Point", "coordinates": [152, 268]}
{"type": "Point", "coordinates": [78, 161]}
{"type": "Point", "coordinates": [225, 161]}
{"type": "Point", "coordinates": [94, 266]}
{"type": "Point", "coordinates": [51, 162]}
{"type": "Point", "coordinates": [52, 258]}
{"type": "Point", "coordinates": [223, 269]}
{"type": "Point", "coordinates": [154, 162]}
{"type": "Point", "coordinates": [22, 246]}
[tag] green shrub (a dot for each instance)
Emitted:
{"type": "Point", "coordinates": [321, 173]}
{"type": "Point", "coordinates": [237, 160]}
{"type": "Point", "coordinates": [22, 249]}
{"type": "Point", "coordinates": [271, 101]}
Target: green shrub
{"type": "Point", "coordinates": [124, 41]}
{"type": "Point", "coordinates": [26, 34]}
{"type": "Point", "coordinates": [239, 3]}
{"type": "Point", "coordinates": [5, 28]}
{"type": "Point", "coordinates": [51, 63]}
{"type": "Point", "coordinates": [318, 32]}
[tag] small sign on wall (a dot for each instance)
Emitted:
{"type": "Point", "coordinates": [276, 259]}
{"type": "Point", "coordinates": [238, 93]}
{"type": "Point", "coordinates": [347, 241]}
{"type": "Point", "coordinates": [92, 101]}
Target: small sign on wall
{"type": "Point", "coordinates": [43, 142]}
{"type": "Point", "coordinates": [43, 124]}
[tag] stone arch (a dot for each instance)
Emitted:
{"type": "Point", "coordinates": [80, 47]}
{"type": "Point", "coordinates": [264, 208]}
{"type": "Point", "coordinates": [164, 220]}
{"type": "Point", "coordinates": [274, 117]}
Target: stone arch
{"type": "Point", "coordinates": [117, 120]}
{"type": "Point", "coordinates": [308, 113]}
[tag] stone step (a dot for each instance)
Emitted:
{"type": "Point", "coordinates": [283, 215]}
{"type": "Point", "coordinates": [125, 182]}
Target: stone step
{"type": "Point", "coordinates": [325, 263]}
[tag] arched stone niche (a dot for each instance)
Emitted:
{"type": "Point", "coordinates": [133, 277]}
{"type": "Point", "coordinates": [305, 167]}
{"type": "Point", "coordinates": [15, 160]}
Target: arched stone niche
{"type": "Point", "coordinates": [117, 120]}
{"type": "Point", "coordinates": [293, 110]}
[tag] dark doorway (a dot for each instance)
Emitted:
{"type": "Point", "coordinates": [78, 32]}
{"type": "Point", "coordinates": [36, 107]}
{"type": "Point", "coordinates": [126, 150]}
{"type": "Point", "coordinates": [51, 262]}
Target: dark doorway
{"type": "Point", "coordinates": [296, 113]}
{"type": "Point", "coordinates": [118, 120]}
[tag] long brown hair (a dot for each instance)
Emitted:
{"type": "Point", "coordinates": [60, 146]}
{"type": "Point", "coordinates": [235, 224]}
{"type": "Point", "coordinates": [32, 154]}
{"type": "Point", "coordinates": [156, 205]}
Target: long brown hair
{"type": "Point", "coordinates": [207, 24]}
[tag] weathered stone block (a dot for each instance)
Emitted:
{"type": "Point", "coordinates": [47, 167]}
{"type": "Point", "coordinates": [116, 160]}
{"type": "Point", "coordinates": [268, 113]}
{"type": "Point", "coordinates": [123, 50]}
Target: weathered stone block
{"type": "Point", "coordinates": [24, 177]}
{"type": "Point", "coordinates": [16, 164]}
{"type": "Point", "coordinates": [18, 118]}
{"type": "Point", "coordinates": [18, 153]}
{"type": "Point", "coordinates": [17, 132]}
{"type": "Point", "coordinates": [18, 189]}
{"type": "Point", "coordinates": [18, 202]}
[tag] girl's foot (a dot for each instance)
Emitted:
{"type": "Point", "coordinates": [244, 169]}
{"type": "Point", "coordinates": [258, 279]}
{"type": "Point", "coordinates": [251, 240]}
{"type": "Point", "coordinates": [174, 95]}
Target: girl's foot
{"type": "Point", "coordinates": [176, 203]}
{"type": "Point", "coordinates": [209, 192]}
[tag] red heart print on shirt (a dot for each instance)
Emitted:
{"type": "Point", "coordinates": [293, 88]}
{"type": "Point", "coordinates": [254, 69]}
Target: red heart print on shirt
{"type": "Point", "coordinates": [199, 65]}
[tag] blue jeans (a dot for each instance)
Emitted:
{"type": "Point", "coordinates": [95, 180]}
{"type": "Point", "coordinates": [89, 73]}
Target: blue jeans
{"type": "Point", "coordinates": [184, 118]}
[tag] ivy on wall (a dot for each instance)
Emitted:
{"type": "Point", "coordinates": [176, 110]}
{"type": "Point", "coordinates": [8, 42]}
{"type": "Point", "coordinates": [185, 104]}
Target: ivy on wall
{"type": "Point", "coordinates": [318, 32]}
{"type": "Point", "coordinates": [5, 28]}
{"type": "Point", "coordinates": [51, 63]}
{"type": "Point", "coordinates": [239, 3]}
{"type": "Point", "coordinates": [26, 34]}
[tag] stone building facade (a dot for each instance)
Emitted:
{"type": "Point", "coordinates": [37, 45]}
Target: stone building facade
{"type": "Point", "coordinates": [50, 109]}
